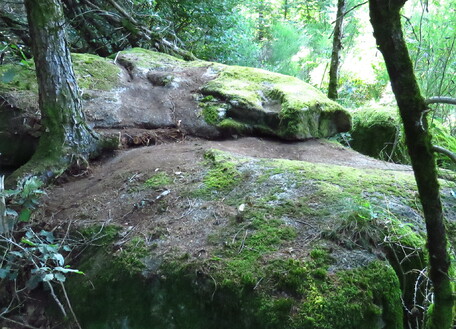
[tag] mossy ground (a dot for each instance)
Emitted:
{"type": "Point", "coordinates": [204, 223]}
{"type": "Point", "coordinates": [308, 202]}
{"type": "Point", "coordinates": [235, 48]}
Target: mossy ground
{"type": "Point", "coordinates": [160, 179]}
{"type": "Point", "coordinates": [276, 262]}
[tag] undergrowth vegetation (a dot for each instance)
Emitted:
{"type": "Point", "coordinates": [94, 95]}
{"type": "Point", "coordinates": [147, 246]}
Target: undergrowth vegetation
{"type": "Point", "coordinates": [30, 256]}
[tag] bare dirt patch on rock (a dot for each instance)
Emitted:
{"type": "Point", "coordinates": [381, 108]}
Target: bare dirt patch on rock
{"type": "Point", "coordinates": [114, 191]}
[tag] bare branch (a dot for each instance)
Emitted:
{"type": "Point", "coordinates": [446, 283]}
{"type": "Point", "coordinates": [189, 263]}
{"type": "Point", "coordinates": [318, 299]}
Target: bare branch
{"type": "Point", "coordinates": [440, 100]}
{"type": "Point", "coordinates": [4, 226]}
{"type": "Point", "coordinates": [146, 33]}
{"type": "Point", "coordinates": [351, 9]}
{"type": "Point", "coordinates": [69, 305]}
{"type": "Point", "coordinates": [21, 324]}
{"type": "Point", "coordinates": [163, 44]}
{"type": "Point", "coordinates": [444, 151]}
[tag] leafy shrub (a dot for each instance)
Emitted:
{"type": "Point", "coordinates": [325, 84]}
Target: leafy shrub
{"type": "Point", "coordinates": [28, 258]}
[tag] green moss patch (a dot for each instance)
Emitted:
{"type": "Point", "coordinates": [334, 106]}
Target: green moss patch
{"type": "Point", "coordinates": [353, 299]}
{"type": "Point", "coordinates": [160, 179]}
{"type": "Point", "coordinates": [272, 103]}
{"type": "Point", "coordinates": [147, 59]}
{"type": "Point", "coordinates": [92, 72]}
{"type": "Point", "coordinates": [221, 178]}
{"type": "Point", "coordinates": [251, 87]}
{"type": "Point", "coordinates": [377, 131]}
{"type": "Point", "coordinates": [95, 73]}
{"type": "Point", "coordinates": [15, 77]}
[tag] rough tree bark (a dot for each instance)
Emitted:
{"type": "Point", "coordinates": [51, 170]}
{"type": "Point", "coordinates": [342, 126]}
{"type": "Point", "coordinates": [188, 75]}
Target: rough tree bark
{"type": "Point", "coordinates": [337, 47]}
{"type": "Point", "coordinates": [65, 138]}
{"type": "Point", "coordinates": [386, 21]}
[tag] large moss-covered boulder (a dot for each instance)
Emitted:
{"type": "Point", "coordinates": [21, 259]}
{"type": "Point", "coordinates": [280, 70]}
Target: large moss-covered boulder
{"type": "Point", "coordinates": [216, 240]}
{"type": "Point", "coordinates": [377, 131]}
{"type": "Point", "coordinates": [253, 100]}
{"type": "Point", "coordinates": [142, 89]}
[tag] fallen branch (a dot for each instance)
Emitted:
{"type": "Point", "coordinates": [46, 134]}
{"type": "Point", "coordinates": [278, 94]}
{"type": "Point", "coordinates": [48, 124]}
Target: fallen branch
{"type": "Point", "coordinates": [440, 100]}
{"type": "Point", "coordinates": [165, 45]}
{"type": "Point", "coordinates": [444, 151]}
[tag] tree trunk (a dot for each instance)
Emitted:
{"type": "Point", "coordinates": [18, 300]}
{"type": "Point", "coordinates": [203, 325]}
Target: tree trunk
{"type": "Point", "coordinates": [285, 9]}
{"type": "Point", "coordinates": [335, 55]}
{"type": "Point", "coordinates": [261, 21]}
{"type": "Point", "coordinates": [386, 21]}
{"type": "Point", "coordinates": [66, 138]}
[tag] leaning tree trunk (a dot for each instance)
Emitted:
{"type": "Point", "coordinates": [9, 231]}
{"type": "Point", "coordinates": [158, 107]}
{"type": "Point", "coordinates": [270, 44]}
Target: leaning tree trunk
{"type": "Point", "coordinates": [386, 21]}
{"type": "Point", "coordinates": [337, 47]}
{"type": "Point", "coordinates": [65, 138]}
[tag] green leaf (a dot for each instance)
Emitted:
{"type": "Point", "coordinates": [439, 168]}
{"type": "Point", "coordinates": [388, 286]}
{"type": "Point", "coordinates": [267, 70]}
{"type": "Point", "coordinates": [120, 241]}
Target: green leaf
{"type": "Point", "coordinates": [48, 277]}
{"type": "Point", "coordinates": [40, 270]}
{"type": "Point", "coordinates": [59, 258]}
{"type": "Point", "coordinates": [25, 215]}
{"type": "Point", "coordinates": [9, 193]}
{"type": "Point", "coordinates": [24, 62]}
{"type": "Point", "coordinates": [60, 277]}
{"type": "Point", "coordinates": [11, 212]}
{"type": "Point", "coordinates": [4, 272]}
{"type": "Point", "coordinates": [49, 236]}
{"type": "Point", "coordinates": [27, 241]}
{"type": "Point", "coordinates": [16, 253]}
